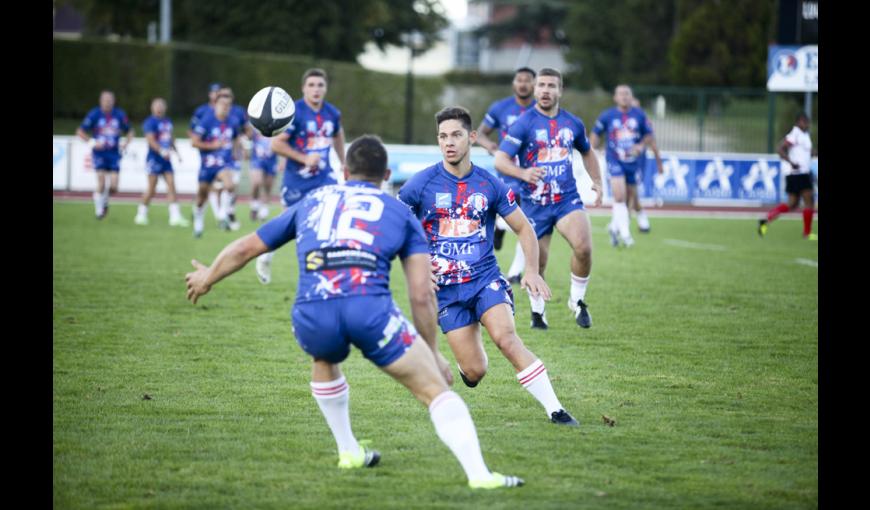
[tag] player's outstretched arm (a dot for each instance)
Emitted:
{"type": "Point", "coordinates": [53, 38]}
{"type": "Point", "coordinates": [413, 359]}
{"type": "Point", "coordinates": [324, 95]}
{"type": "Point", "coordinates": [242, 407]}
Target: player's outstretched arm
{"type": "Point", "coordinates": [484, 140]}
{"type": "Point", "coordinates": [532, 280]}
{"type": "Point", "coordinates": [282, 148]}
{"type": "Point", "coordinates": [651, 141]}
{"type": "Point", "coordinates": [418, 273]}
{"type": "Point", "coordinates": [504, 164]}
{"type": "Point", "coordinates": [590, 162]}
{"type": "Point", "coordinates": [232, 258]}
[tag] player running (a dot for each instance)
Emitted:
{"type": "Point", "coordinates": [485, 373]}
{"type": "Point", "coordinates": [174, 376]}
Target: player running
{"type": "Point", "coordinates": [264, 166]}
{"type": "Point", "coordinates": [346, 237]}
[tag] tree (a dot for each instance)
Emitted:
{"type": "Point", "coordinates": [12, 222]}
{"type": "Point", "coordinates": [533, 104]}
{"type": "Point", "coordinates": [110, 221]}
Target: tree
{"type": "Point", "coordinates": [617, 41]}
{"type": "Point", "coordinates": [336, 30]}
{"type": "Point", "coordinates": [722, 43]}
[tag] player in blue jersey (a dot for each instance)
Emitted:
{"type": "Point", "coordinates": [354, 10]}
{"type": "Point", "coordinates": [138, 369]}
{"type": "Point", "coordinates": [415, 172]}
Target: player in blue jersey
{"type": "Point", "coordinates": [239, 116]}
{"type": "Point", "coordinates": [501, 116]}
{"type": "Point", "coordinates": [214, 136]}
{"type": "Point", "coordinates": [544, 138]}
{"type": "Point", "coordinates": [202, 109]}
{"type": "Point", "coordinates": [161, 142]}
{"type": "Point", "coordinates": [347, 235]}
{"type": "Point", "coordinates": [264, 165]}
{"type": "Point", "coordinates": [316, 128]}
{"type": "Point", "coordinates": [457, 203]}
{"type": "Point", "coordinates": [102, 128]}
{"type": "Point", "coordinates": [631, 190]}
{"type": "Point", "coordinates": [628, 131]}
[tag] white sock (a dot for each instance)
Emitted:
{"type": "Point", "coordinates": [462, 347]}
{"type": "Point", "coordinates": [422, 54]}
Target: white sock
{"type": "Point", "coordinates": [333, 398]}
{"type": "Point", "coordinates": [455, 428]}
{"type": "Point", "coordinates": [215, 205]}
{"type": "Point", "coordinates": [255, 205]}
{"type": "Point", "coordinates": [98, 202]}
{"type": "Point", "coordinates": [537, 303]}
{"type": "Point", "coordinates": [174, 211]}
{"type": "Point", "coordinates": [535, 380]}
{"type": "Point", "coordinates": [143, 210]}
{"type": "Point", "coordinates": [642, 220]}
{"type": "Point", "coordinates": [226, 203]}
{"type": "Point", "coordinates": [620, 219]}
{"type": "Point", "coordinates": [578, 287]}
{"type": "Point", "coordinates": [519, 262]}
{"type": "Point", "coordinates": [267, 256]}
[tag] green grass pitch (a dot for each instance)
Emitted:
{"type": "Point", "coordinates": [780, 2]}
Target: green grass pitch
{"type": "Point", "coordinates": [704, 350]}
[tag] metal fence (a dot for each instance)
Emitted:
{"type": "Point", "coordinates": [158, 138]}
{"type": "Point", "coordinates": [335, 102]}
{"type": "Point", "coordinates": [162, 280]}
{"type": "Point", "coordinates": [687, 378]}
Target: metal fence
{"type": "Point", "coordinates": [721, 119]}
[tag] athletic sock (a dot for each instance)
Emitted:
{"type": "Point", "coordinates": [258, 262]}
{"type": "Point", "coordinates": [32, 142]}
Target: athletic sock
{"type": "Point", "coordinates": [808, 221]}
{"type": "Point", "coordinates": [535, 380]}
{"type": "Point", "coordinates": [578, 287]}
{"type": "Point", "coordinates": [620, 219]}
{"type": "Point", "coordinates": [455, 428]}
{"type": "Point", "coordinates": [519, 262]}
{"type": "Point", "coordinates": [537, 302]}
{"type": "Point", "coordinates": [174, 211]}
{"type": "Point", "coordinates": [776, 211]}
{"type": "Point", "coordinates": [333, 397]}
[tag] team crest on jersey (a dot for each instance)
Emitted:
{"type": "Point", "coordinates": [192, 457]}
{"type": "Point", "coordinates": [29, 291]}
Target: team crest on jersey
{"type": "Point", "coordinates": [443, 200]}
{"type": "Point", "coordinates": [477, 202]}
{"type": "Point", "coordinates": [511, 198]}
{"type": "Point", "coordinates": [541, 135]}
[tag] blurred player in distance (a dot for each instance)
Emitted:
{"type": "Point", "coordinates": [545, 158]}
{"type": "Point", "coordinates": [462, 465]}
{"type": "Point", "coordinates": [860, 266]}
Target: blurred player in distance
{"type": "Point", "coordinates": [500, 116]}
{"type": "Point", "coordinates": [161, 142]}
{"type": "Point", "coordinates": [240, 117]}
{"type": "Point", "coordinates": [544, 138]}
{"type": "Point", "coordinates": [457, 203]}
{"type": "Point", "coordinates": [628, 131]}
{"type": "Point", "coordinates": [264, 165]}
{"type": "Point", "coordinates": [214, 136]}
{"type": "Point", "coordinates": [796, 149]}
{"type": "Point", "coordinates": [346, 237]}
{"type": "Point", "coordinates": [102, 128]}
{"type": "Point", "coordinates": [631, 190]}
{"type": "Point", "coordinates": [316, 129]}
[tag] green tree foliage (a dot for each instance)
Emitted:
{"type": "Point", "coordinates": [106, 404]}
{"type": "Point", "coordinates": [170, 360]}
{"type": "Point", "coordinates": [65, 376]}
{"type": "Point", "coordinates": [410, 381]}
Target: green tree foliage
{"type": "Point", "coordinates": [722, 43]}
{"type": "Point", "coordinates": [614, 41]}
{"type": "Point", "coordinates": [335, 30]}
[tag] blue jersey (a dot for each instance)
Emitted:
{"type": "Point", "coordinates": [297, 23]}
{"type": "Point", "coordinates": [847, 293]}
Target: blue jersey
{"type": "Point", "coordinates": [236, 111]}
{"type": "Point", "coordinates": [106, 128]}
{"type": "Point", "coordinates": [211, 128]}
{"type": "Point", "coordinates": [458, 216]}
{"type": "Point", "coordinates": [547, 143]}
{"type": "Point", "coordinates": [501, 116]}
{"type": "Point", "coordinates": [624, 130]}
{"type": "Point", "coordinates": [346, 236]}
{"type": "Point", "coordinates": [311, 131]}
{"type": "Point", "coordinates": [263, 150]}
{"type": "Point", "coordinates": [161, 128]}
{"type": "Point", "coordinates": [199, 113]}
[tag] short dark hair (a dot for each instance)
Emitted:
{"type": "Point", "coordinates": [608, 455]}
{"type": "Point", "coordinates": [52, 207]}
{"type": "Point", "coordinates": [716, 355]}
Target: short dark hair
{"type": "Point", "coordinates": [526, 70]}
{"type": "Point", "coordinates": [314, 71]}
{"type": "Point", "coordinates": [549, 71]}
{"type": "Point", "coordinates": [800, 116]}
{"type": "Point", "coordinates": [367, 157]}
{"type": "Point", "coordinates": [453, 113]}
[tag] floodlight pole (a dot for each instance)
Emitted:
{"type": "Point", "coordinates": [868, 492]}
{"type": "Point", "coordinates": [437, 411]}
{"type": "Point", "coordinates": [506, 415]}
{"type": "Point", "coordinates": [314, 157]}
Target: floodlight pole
{"type": "Point", "coordinates": [165, 21]}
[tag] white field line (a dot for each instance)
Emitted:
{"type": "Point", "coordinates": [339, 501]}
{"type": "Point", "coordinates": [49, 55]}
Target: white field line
{"type": "Point", "coordinates": [806, 262]}
{"type": "Point", "coordinates": [695, 246]}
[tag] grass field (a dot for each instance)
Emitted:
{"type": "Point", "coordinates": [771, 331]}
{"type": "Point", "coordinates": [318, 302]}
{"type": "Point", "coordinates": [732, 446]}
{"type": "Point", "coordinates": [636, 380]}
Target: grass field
{"type": "Point", "coordinates": [703, 350]}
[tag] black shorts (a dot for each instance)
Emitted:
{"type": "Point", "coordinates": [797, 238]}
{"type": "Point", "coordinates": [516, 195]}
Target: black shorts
{"type": "Point", "coordinates": [797, 183]}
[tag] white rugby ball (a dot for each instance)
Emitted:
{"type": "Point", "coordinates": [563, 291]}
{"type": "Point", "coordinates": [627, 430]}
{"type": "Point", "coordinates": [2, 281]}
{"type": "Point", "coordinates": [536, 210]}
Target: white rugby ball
{"type": "Point", "coordinates": [271, 110]}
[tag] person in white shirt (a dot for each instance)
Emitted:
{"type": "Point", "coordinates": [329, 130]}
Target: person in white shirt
{"type": "Point", "coordinates": [796, 149]}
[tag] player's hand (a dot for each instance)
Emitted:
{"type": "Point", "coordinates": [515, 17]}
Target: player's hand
{"type": "Point", "coordinates": [596, 187]}
{"type": "Point", "coordinates": [533, 174]}
{"type": "Point", "coordinates": [434, 280]}
{"type": "Point", "coordinates": [312, 159]}
{"type": "Point", "coordinates": [444, 368]}
{"type": "Point", "coordinates": [196, 281]}
{"type": "Point", "coordinates": [660, 168]}
{"type": "Point", "coordinates": [536, 285]}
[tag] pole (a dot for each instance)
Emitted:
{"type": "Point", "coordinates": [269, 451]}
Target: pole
{"type": "Point", "coordinates": [771, 116]}
{"type": "Point", "coordinates": [409, 100]}
{"type": "Point", "coordinates": [808, 105]}
{"type": "Point", "coordinates": [165, 21]}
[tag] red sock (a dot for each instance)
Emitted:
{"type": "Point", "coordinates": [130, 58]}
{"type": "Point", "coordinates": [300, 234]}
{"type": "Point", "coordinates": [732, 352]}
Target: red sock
{"type": "Point", "coordinates": [776, 211]}
{"type": "Point", "coordinates": [808, 221]}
